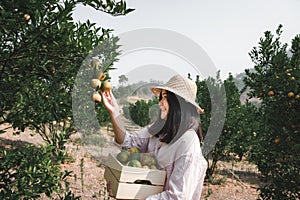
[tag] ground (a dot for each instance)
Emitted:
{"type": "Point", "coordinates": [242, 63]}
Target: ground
{"type": "Point", "coordinates": [238, 181]}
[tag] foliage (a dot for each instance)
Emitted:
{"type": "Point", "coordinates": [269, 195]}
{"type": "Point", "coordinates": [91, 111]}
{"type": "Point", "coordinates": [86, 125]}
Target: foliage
{"type": "Point", "coordinates": [87, 115]}
{"type": "Point", "coordinates": [29, 172]}
{"type": "Point", "coordinates": [237, 132]}
{"type": "Point", "coordinates": [141, 113]}
{"type": "Point", "coordinates": [140, 89]}
{"type": "Point", "coordinates": [276, 82]}
{"type": "Point", "coordinates": [247, 124]}
{"type": "Point", "coordinates": [204, 100]}
{"type": "Point", "coordinates": [123, 79]}
{"type": "Point", "coordinates": [209, 94]}
{"type": "Point", "coordinates": [41, 52]}
{"type": "Point", "coordinates": [222, 149]}
{"type": "Point", "coordinates": [42, 49]}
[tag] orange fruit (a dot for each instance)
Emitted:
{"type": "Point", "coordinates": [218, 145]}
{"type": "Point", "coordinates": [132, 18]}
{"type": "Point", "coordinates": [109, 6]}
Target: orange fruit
{"type": "Point", "coordinates": [148, 159]}
{"type": "Point", "coordinates": [96, 97]}
{"type": "Point", "coordinates": [123, 156]}
{"type": "Point", "coordinates": [291, 94]}
{"type": "Point", "coordinates": [134, 156]}
{"type": "Point", "coordinates": [26, 17]}
{"type": "Point", "coordinates": [133, 150]}
{"type": "Point", "coordinates": [95, 62]}
{"type": "Point", "coordinates": [276, 140]}
{"type": "Point", "coordinates": [270, 93]}
{"type": "Point", "coordinates": [95, 83]}
{"type": "Point", "coordinates": [134, 163]}
{"type": "Point", "coordinates": [107, 86]}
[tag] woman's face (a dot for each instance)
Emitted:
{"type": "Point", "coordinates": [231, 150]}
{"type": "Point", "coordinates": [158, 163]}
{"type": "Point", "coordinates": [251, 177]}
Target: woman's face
{"type": "Point", "coordinates": [163, 105]}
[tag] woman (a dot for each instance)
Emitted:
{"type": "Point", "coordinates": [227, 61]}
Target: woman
{"type": "Point", "coordinates": [174, 138]}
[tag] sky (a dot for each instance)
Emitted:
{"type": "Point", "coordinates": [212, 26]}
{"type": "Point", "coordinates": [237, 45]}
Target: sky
{"type": "Point", "coordinates": [225, 30]}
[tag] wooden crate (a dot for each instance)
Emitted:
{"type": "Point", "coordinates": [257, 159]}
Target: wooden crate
{"type": "Point", "coordinates": [130, 182]}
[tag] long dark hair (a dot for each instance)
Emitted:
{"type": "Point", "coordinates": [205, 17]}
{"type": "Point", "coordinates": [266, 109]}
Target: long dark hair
{"type": "Point", "coordinates": [181, 117]}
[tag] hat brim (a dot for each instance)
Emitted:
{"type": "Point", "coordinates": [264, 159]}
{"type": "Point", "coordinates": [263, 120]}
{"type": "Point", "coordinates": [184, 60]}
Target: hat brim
{"type": "Point", "coordinates": [156, 91]}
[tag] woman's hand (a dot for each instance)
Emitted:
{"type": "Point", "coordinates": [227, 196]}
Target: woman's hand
{"type": "Point", "coordinates": [110, 103]}
{"type": "Point", "coordinates": [112, 106]}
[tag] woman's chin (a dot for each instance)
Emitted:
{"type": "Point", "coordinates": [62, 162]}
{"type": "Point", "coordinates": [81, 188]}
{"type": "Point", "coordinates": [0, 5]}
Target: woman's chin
{"type": "Point", "coordinates": [163, 116]}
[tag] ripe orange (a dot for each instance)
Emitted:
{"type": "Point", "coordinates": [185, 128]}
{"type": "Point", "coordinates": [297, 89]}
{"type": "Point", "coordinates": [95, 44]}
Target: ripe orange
{"type": "Point", "coordinates": [107, 86]}
{"type": "Point", "coordinates": [133, 150]}
{"type": "Point", "coordinates": [95, 62]}
{"type": "Point", "coordinates": [291, 94]}
{"type": "Point", "coordinates": [96, 97]}
{"type": "Point", "coordinates": [297, 97]}
{"type": "Point", "coordinates": [26, 17]}
{"type": "Point", "coordinates": [95, 83]}
{"type": "Point", "coordinates": [276, 140]}
{"type": "Point", "coordinates": [270, 93]}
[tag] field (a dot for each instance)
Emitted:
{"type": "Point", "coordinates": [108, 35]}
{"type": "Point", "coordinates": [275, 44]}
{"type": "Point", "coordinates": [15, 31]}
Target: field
{"type": "Point", "coordinates": [234, 181]}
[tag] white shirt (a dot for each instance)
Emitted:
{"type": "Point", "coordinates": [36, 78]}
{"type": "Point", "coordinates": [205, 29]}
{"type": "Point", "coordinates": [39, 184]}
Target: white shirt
{"type": "Point", "coordinates": [183, 161]}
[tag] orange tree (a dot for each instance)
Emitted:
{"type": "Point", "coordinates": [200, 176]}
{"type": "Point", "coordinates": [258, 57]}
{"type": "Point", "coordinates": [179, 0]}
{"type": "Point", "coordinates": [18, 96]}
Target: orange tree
{"type": "Point", "coordinates": [42, 49]}
{"type": "Point", "coordinates": [212, 99]}
{"type": "Point", "coordinates": [276, 82]}
{"type": "Point", "coordinates": [247, 123]}
{"type": "Point", "coordinates": [238, 132]}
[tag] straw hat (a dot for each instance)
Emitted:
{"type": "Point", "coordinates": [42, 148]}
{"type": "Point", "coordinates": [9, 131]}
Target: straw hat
{"type": "Point", "coordinates": [183, 87]}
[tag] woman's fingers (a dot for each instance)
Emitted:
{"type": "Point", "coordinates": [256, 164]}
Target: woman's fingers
{"type": "Point", "coordinates": [105, 98]}
{"type": "Point", "coordinates": [108, 96]}
{"type": "Point", "coordinates": [110, 103]}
